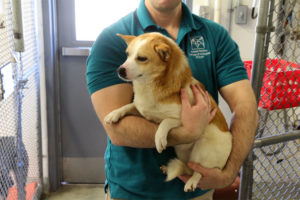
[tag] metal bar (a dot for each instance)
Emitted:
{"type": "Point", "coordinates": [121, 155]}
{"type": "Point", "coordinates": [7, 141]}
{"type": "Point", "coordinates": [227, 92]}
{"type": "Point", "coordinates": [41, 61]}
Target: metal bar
{"type": "Point", "coordinates": [276, 139]}
{"type": "Point", "coordinates": [21, 182]}
{"type": "Point", "coordinates": [52, 95]}
{"type": "Point", "coordinates": [246, 175]}
{"type": "Point", "coordinates": [259, 60]}
{"type": "Point", "coordinates": [17, 25]}
{"type": "Point", "coordinates": [269, 28]}
{"type": "Point", "coordinates": [229, 17]}
{"type": "Point", "coordinates": [76, 51]}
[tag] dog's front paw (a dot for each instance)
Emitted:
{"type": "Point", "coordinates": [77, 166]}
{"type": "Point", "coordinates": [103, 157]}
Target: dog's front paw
{"type": "Point", "coordinates": [160, 141]}
{"type": "Point", "coordinates": [113, 117]}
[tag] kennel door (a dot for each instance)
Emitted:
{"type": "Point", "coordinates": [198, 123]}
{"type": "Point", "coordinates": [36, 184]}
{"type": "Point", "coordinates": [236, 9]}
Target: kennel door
{"type": "Point", "coordinates": [83, 139]}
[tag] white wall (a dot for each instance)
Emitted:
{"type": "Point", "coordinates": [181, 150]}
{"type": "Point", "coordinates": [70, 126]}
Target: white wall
{"type": "Point", "coordinates": [242, 34]}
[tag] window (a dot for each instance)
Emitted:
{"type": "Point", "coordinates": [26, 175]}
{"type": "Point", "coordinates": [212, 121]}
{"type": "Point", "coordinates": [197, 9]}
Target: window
{"type": "Point", "coordinates": [92, 16]}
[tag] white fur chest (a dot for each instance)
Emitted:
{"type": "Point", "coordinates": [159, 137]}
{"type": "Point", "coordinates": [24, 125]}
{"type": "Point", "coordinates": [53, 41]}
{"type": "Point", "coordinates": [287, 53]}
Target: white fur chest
{"type": "Point", "coordinates": [146, 104]}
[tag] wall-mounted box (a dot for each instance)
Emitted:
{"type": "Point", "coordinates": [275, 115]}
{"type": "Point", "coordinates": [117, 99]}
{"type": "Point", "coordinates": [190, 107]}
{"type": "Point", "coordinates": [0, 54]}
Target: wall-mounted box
{"type": "Point", "coordinates": [241, 15]}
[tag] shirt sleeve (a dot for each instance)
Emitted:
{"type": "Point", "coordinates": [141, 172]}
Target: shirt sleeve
{"type": "Point", "coordinates": [107, 54]}
{"type": "Point", "coordinates": [229, 65]}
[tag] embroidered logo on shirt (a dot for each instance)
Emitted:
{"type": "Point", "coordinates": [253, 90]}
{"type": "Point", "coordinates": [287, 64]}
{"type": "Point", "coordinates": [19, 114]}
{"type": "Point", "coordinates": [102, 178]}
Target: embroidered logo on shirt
{"type": "Point", "coordinates": [197, 43]}
{"type": "Point", "coordinates": [198, 49]}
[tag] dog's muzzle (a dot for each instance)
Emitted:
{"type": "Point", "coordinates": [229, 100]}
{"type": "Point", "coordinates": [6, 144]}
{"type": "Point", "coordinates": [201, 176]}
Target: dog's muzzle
{"type": "Point", "coordinates": [122, 72]}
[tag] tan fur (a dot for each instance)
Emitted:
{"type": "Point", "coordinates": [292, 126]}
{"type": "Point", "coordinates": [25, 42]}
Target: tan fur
{"type": "Point", "coordinates": [159, 69]}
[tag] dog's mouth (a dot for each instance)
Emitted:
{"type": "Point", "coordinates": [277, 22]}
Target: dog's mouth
{"type": "Point", "coordinates": [129, 79]}
{"type": "Point", "coordinates": [124, 75]}
{"type": "Point", "coordinates": [124, 78]}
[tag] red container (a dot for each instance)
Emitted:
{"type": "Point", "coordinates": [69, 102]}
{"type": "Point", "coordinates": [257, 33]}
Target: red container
{"type": "Point", "coordinates": [281, 84]}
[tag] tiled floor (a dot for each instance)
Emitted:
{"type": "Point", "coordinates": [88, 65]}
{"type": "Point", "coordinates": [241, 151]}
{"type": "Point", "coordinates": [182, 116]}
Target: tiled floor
{"type": "Point", "coordinates": [78, 192]}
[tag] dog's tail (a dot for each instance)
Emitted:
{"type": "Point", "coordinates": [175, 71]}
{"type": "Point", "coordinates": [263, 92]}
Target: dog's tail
{"type": "Point", "coordinates": [176, 168]}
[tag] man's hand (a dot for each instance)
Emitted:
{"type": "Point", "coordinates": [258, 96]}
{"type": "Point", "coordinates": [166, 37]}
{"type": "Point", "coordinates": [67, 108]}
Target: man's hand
{"type": "Point", "coordinates": [211, 178]}
{"type": "Point", "coordinates": [195, 118]}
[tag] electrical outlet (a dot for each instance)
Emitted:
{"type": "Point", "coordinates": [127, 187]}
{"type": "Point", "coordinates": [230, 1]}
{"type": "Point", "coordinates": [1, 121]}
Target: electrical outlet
{"type": "Point", "coordinates": [241, 15]}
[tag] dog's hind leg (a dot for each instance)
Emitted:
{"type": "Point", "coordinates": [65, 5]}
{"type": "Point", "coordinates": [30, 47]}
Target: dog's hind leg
{"type": "Point", "coordinates": [192, 183]}
{"type": "Point", "coordinates": [176, 168]}
{"type": "Point", "coordinates": [162, 132]}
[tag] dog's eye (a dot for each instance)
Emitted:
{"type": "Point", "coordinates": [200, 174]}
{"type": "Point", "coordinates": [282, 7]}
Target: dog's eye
{"type": "Point", "coordinates": [142, 59]}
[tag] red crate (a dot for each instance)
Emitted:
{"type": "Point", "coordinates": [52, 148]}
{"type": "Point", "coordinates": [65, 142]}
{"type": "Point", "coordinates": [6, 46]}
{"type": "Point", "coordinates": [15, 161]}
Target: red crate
{"type": "Point", "coordinates": [281, 84]}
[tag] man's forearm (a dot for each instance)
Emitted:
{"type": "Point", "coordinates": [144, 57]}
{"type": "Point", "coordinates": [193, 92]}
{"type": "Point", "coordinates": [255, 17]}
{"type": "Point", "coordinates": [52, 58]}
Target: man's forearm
{"type": "Point", "coordinates": [132, 131]}
{"type": "Point", "coordinates": [243, 128]}
{"type": "Point", "coordinates": [135, 131]}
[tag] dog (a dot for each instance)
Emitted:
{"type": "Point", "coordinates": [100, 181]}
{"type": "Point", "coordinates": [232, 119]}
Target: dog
{"type": "Point", "coordinates": [158, 70]}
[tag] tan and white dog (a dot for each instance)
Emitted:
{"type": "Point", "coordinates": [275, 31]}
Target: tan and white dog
{"type": "Point", "coordinates": [158, 70]}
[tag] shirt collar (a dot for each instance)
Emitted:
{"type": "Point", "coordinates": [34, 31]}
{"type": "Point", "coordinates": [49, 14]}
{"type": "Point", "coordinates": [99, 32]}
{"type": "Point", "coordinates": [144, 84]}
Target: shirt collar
{"type": "Point", "coordinates": [144, 16]}
{"type": "Point", "coordinates": [146, 20]}
{"type": "Point", "coordinates": [188, 19]}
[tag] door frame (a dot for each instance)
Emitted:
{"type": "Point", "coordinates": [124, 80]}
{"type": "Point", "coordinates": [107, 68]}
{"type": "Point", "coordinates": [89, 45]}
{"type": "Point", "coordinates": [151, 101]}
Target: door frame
{"type": "Point", "coordinates": [51, 53]}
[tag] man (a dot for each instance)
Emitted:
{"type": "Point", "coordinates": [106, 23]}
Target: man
{"type": "Point", "coordinates": [132, 163]}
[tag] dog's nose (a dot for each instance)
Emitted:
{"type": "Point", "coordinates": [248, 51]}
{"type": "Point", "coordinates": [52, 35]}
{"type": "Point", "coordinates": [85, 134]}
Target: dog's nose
{"type": "Point", "coordinates": [122, 72]}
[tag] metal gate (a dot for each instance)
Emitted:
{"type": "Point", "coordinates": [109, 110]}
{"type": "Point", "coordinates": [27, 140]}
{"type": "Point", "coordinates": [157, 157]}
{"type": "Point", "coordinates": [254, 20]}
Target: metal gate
{"type": "Point", "coordinates": [20, 151]}
{"type": "Point", "coordinates": [272, 169]}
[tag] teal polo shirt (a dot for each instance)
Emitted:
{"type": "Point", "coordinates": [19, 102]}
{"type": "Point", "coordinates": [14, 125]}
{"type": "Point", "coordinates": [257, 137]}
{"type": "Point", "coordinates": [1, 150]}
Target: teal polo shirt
{"type": "Point", "coordinates": [214, 59]}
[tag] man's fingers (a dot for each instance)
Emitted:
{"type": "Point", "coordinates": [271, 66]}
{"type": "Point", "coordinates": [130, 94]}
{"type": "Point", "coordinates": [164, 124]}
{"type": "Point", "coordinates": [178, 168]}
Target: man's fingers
{"type": "Point", "coordinates": [200, 89]}
{"type": "Point", "coordinates": [208, 99]}
{"type": "Point", "coordinates": [198, 97]}
{"type": "Point", "coordinates": [185, 99]}
{"type": "Point", "coordinates": [201, 97]}
{"type": "Point", "coordinates": [184, 178]}
{"type": "Point", "coordinates": [197, 167]}
{"type": "Point", "coordinates": [204, 95]}
{"type": "Point", "coordinates": [212, 113]}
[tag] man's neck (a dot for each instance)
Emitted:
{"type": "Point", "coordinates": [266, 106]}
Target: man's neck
{"type": "Point", "coordinates": [170, 20]}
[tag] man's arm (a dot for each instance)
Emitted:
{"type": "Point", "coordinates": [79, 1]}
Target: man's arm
{"type": "Point", "coordinates": [241, 100]}
{"type": "Point", "coordinates": [135, 131]}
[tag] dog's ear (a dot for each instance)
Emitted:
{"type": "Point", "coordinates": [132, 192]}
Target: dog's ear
{"type": "Point", "coordinates": [126, 38]}
{"type": "Point", "coordinates": [163, 50]}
